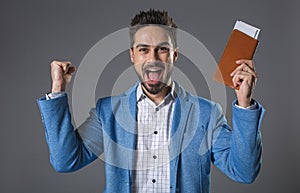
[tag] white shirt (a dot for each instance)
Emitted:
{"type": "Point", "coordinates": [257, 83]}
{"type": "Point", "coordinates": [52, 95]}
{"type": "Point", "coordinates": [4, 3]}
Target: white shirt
{"type": "Point", "coordinates": [152, 162]}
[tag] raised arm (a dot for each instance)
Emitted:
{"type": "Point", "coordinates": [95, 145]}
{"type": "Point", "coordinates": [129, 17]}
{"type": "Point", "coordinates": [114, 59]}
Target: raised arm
{"type": "Point", "coordinates": [67, 149]}
{"type": "Point", "coordinates": [238, 151]}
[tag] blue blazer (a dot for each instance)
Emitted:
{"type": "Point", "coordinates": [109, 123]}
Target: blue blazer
{"type": "Point", "coordinates": [199, 135]}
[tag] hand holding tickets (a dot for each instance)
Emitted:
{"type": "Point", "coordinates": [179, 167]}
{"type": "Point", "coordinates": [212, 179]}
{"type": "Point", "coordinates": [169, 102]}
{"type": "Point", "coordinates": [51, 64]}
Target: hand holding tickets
{"type": "Point", "coordinates": [241, 45]}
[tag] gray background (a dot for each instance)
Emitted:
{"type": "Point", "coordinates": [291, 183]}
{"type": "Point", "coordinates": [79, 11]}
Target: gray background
{"type": "Point", "coordinates": [34, 32]}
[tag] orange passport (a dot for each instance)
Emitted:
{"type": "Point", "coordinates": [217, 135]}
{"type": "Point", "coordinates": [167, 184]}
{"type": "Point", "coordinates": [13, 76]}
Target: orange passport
{"type": "Point", "coordinates": [239, 46]}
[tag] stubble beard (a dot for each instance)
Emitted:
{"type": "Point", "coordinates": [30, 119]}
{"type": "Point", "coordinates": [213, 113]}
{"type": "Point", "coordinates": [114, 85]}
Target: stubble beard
{"type": "Point", "coordinates": [154, 89]}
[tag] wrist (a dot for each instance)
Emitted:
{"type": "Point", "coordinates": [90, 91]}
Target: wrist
{"type": "Point", "coordinates": [58, 87]}
{"type": "Point", "coordinates": [244, 103]}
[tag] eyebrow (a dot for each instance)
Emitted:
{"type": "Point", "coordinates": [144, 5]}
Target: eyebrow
{"type": "Point", "coordinates": [147, 45]}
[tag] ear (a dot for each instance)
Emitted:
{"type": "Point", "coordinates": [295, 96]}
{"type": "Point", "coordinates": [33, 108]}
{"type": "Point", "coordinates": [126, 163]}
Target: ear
{"type": "Point", "coordinates": [175, 55]}
{"type": "Point", "coordinates": [131, 55]}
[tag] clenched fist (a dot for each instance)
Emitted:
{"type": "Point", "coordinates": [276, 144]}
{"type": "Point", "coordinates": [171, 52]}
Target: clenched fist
{"type": "Point", "coordinates": [61, 74]}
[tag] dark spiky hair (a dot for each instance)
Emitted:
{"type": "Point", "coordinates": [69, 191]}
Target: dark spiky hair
{"type": "Point", "coordinates": [153, 17]}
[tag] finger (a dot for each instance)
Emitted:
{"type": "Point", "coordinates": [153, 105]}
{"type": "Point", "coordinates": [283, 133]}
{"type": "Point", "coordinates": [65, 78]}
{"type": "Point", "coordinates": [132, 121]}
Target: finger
{"type": "Point", "coordinates": [248, 62]}
{"type": "Point", "coordinates": [64, 65]}
{"type": "Point", "coordinates": [240, 77]}
{"type": "Point", "coordinates": [71, 70]}
{"type": "Point", "coordinates": [247, 67]}
{"type": "Point", "coordinates": [244, 68]}
{"type": "Point", "coordinates": [236, 80]}
{"type": "Point", "coordinates": [58, 62]}
{"type": "Point", "coordinates": [237, 69]}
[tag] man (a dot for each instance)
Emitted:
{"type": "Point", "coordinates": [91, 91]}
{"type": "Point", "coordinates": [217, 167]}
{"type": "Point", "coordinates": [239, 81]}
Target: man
{"type": "Point", "coordinates": [156, 137]}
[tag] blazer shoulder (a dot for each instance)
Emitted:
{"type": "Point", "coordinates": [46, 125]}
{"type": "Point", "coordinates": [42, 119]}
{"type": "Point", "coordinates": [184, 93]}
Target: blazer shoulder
{"type": "Point", "coordinates": [105, 103]}
{"type": "Point", "coordinates": [115, 100]}
{"type": "Point", "coordinates": [204, 103]}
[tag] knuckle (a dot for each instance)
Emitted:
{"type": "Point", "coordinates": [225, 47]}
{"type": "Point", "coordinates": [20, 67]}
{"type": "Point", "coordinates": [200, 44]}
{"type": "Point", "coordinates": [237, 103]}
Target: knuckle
{"type": "Point", "coordinates": [58, 62]}
{"type": "Point", "coordinates": [53, 62]}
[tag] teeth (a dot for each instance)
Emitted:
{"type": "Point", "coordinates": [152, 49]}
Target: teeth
{"type": "Point", "coordinates": [153, 70]}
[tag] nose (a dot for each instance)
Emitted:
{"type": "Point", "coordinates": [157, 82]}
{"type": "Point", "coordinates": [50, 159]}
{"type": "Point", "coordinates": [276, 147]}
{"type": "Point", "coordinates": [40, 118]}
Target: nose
{"type": "Point", "coordinates": [153, 55]}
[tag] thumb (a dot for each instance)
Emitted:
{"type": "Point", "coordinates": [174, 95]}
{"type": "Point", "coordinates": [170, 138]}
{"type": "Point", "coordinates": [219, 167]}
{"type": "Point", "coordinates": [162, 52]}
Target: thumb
{"type": "Point", "coordinates": [71, 70]}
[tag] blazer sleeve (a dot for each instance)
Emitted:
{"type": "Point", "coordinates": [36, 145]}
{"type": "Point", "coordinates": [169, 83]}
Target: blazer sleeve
{"type": "Point", "coordinates": [237, 151]}
{"type": "Point", "coordinates": [68, 151]}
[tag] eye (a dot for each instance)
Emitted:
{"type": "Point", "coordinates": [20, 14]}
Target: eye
{"type": "Point", "coordinates": [163, 49]}
{"type": "Point", "coordinates": [143, 50]}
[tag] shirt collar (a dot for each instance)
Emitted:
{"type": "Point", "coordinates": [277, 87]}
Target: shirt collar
{"type": "Point", "coordinates": [141, 95]}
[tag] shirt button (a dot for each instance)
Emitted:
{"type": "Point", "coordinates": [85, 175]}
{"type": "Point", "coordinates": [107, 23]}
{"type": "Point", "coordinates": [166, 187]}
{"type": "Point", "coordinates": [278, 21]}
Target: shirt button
{"type": "Point", "coordinates": [153, 181]}
{"type": "Point", "coordinates": [154, 157]}
{"type": "Point", "coordinates": [156, 109]}
{"type": "Point", "coordinates": [155, 132]}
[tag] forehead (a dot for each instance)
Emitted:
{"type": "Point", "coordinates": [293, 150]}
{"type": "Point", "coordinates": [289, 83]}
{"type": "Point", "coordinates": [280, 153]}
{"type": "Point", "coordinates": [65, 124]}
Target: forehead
{"type": "Point", "coordinates": [152, 35]}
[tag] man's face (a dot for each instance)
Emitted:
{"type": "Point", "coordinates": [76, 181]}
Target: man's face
{"type": "Point", "coordinates": [153, 55]}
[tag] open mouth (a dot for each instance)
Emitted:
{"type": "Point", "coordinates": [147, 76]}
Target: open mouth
{"type": "Point", "coordinates": [154, 76]}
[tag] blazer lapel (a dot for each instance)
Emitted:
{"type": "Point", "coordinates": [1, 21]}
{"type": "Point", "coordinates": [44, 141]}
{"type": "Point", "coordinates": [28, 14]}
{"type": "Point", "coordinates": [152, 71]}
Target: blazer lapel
{"type": "Point", "coordinates": [181, 113]}
{"type": "Point", "coordinates": [129, 111]}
